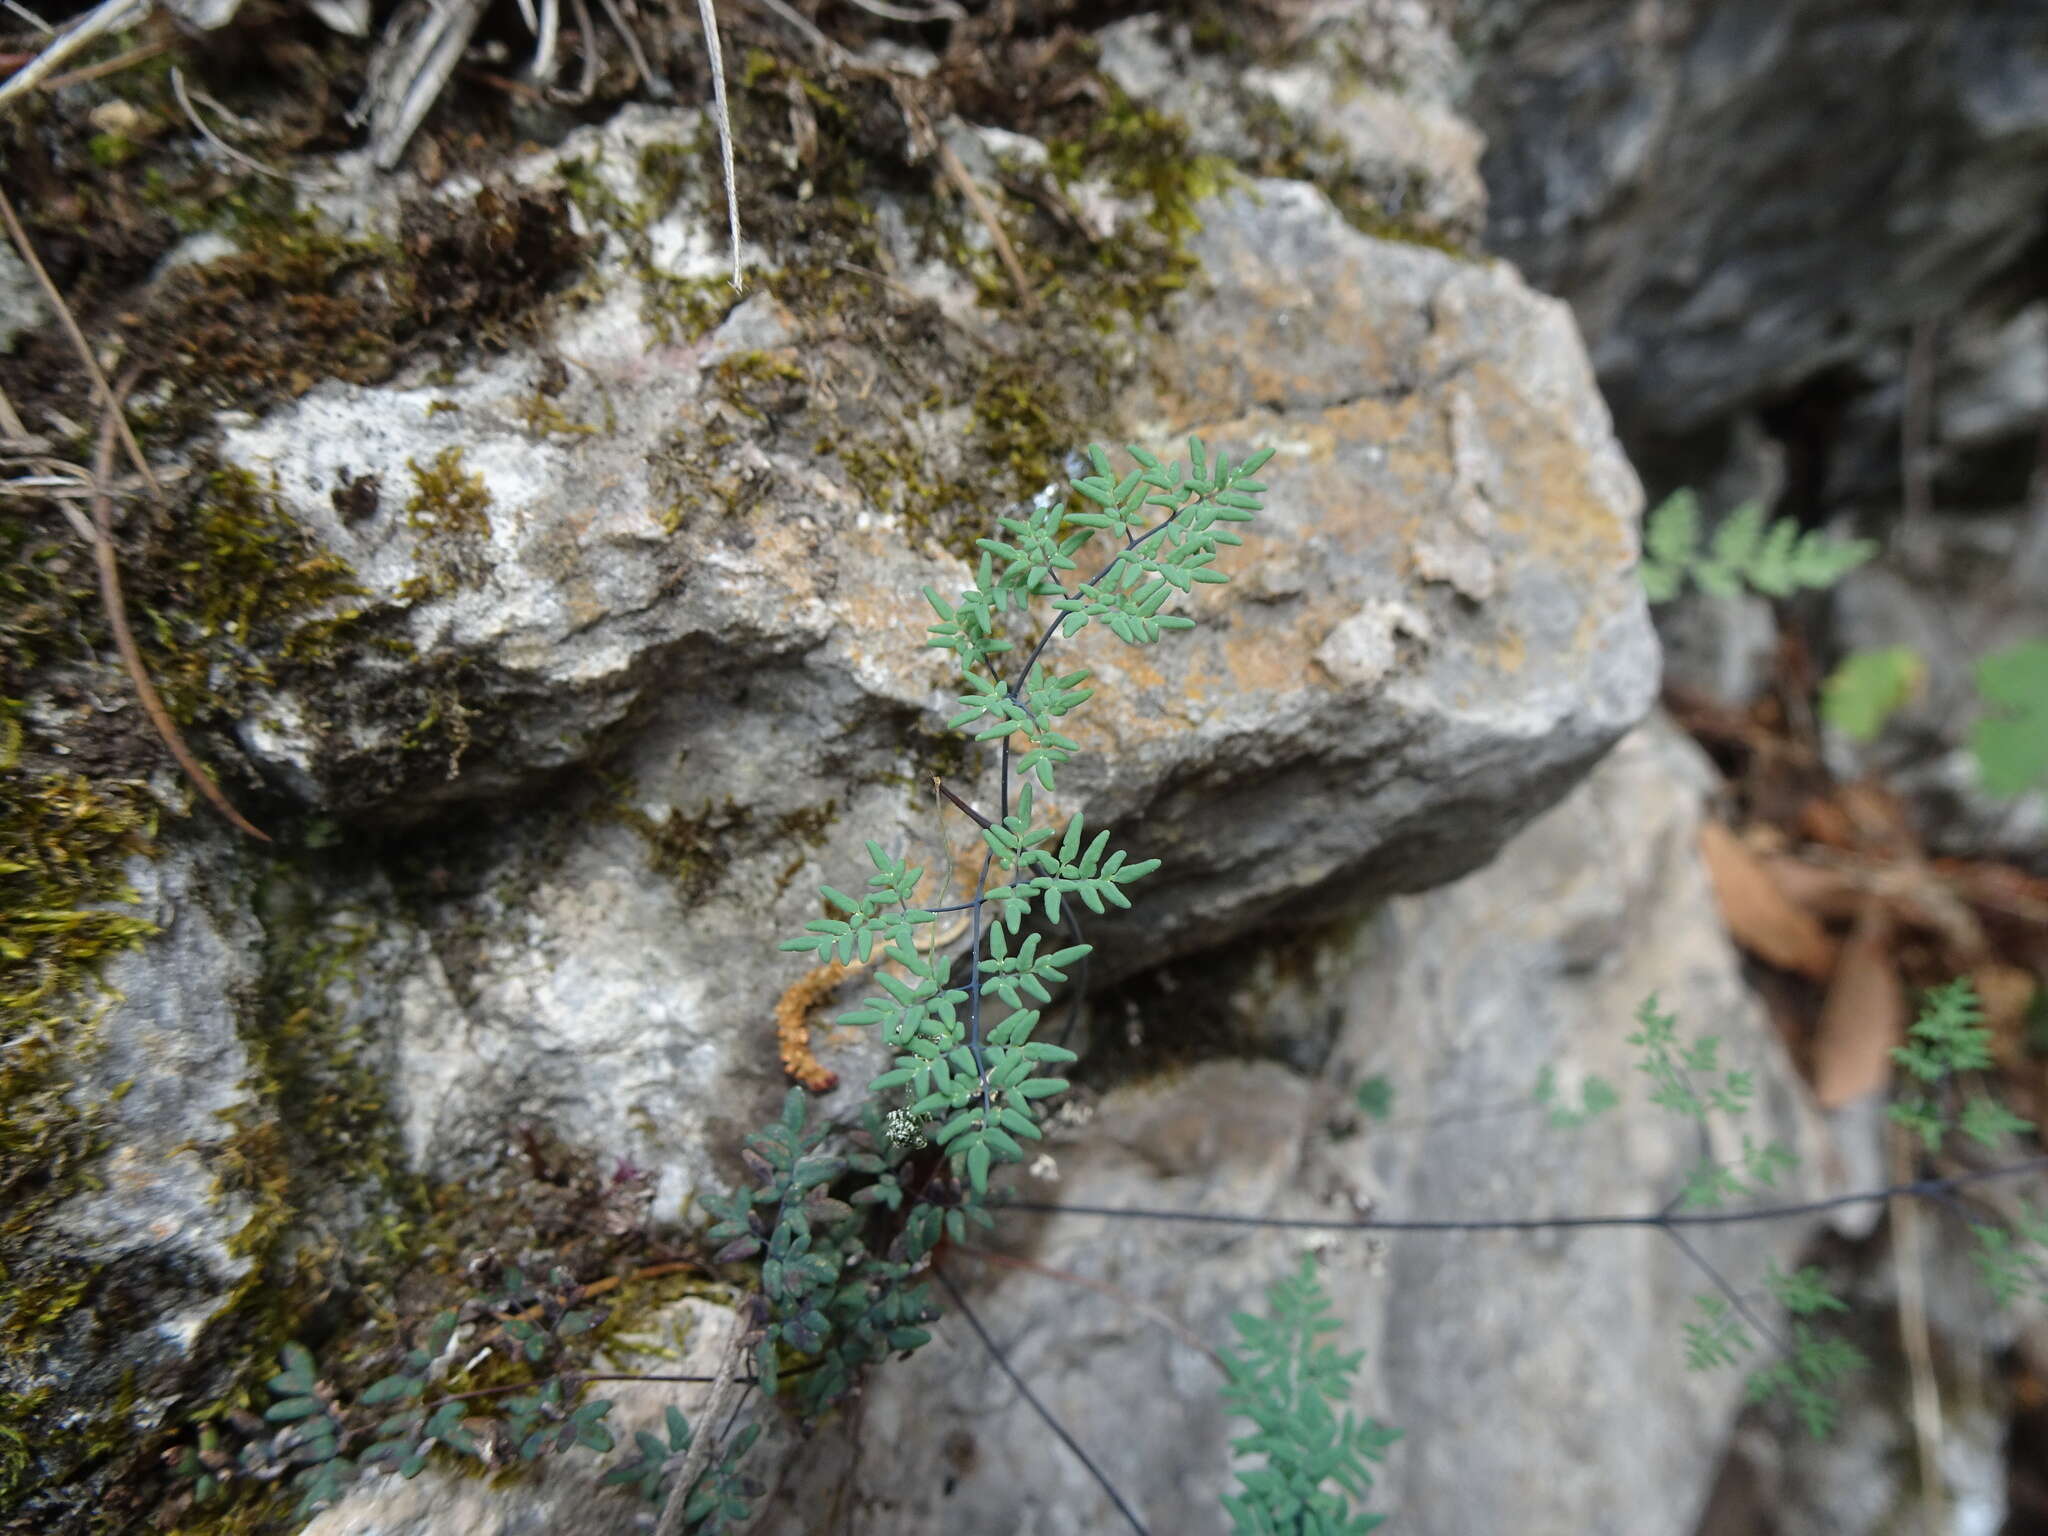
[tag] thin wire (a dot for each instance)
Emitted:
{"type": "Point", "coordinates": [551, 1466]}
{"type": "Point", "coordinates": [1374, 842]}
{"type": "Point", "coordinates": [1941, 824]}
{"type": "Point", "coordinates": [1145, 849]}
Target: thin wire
{"type": "Point", "coordinates": [1721, 1284]}
{"type": "Point", "coordinates": [1101, 1478]}
{"type": "Point", "coordinates": [1652, 1219]}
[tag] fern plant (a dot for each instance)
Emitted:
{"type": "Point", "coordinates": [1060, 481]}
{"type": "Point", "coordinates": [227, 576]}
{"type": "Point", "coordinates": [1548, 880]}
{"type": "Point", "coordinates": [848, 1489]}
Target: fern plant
{"type": "Point", "coordinates": [846, 1222]}
{"type": "Point", "coordinates": [1291, 1382]}
{"type": "Point", "coordinates": [1773, 558]}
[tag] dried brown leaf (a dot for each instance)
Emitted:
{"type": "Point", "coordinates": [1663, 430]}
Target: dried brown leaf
{"type": "Point", "coordinates": [1763, 919]}
{"type": "Point", "coordinates": [1864, 1015]}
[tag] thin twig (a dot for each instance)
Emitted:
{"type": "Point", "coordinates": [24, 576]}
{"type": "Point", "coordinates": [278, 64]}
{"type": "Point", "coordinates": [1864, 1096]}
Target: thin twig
{"type": "Point", "coordinates": [1909, 1261]}
{"type": "Point", "coordinates": [140, 54]}
{"type": "Point", "coordinates": [23, 244]}
{"type": "Point", "coordinates": [702, 1444]}
{"type": "Point", "coordinates": [709, 17]}
{"type": "Point", "coordinates": [960, 805]}
{"type": "Point", "coordinates": [124, 637]}
{"type": "Point", "coordinates": [984, 210]}
{"type": "Point", "coordinates": [1045, 1414]}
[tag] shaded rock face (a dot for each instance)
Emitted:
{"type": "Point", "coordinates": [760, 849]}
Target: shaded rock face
{"type": "Point", "coordinates": [1738, 199]}
{"type": "Point", "coordinates": [1459, 998]}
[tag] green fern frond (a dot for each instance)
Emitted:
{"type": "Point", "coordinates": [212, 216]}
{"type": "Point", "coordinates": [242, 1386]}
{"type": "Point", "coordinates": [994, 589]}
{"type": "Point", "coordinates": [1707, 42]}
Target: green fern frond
{"type": "Point", "coordinates": [1775, 559]}
{"type": "Point", "coordinates": [1292, 1385]}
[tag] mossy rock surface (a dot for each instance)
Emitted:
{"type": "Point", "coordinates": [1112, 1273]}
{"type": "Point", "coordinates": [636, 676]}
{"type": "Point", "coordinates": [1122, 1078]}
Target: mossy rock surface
{"type": "Point", "coordinates": [552, 605]}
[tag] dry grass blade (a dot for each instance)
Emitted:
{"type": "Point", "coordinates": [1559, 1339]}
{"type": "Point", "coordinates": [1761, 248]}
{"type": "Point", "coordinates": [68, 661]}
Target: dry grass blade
{"type": "Point", "coordinates": [937, 10]}
{"type": "Point", "coordinates": [409, 72]}
{"type": "Point", "coordinates": [547, 35]}
{"type": "Point", "coordinates": [102, 538]}
{"type": "Point", "coordinates": [89, 28]}
{"type": "Point", "coordinates": [12, 429]}
{"type": "Point", "coordinates": [657, 87]}
{"type": "Point", "coordinates": [108, 402]}
{"type": "Point", "coordinates": [29, 16]}
{"type": "Point", "coordinates": [141, 54]}
{"type": "Point", "coordinates": [709, 17]}
{"type": "Point", "coordinates": [1909, 1259]}
{"type": "Point", "coordinates": [586, 82]}
{"type": "Point", "coordinates": [192, 116]}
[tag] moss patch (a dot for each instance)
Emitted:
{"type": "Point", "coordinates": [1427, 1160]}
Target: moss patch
{"type": "Point", "coordinates": [64, 845]}
{"type": "Point", "coordinates": [450, 510]}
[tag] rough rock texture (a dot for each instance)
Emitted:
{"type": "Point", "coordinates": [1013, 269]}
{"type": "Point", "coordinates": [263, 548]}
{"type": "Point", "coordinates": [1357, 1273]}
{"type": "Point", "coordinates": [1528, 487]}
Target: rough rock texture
{"type": "Point", "coordinates": [1362, 99]}
{"type": "Point", "coordinates": [629, 663]}
{"type": "Point", "coordinates": [1738, 198]}
{"type": "Point", "coordinates": [1438, 629]}
{"type": "Point", "coordinates": [108, 1302]}
{"type": "Point", "coordinates": [1459, 997]}
{"type": "Point", "coordinates": [21, 303]}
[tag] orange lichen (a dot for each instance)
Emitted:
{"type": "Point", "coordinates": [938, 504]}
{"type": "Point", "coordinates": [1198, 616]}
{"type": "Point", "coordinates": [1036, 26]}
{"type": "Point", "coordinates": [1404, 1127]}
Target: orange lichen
{"type": "Point", "coordinates": [793, 1024]}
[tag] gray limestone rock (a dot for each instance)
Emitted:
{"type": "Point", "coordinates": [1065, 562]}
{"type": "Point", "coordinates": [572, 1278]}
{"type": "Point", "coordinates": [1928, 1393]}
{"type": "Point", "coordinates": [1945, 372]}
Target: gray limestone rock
{"type": "Point", "coordinates": [1440, 627]}
{"type": "Point", "coordinates": [150, 1251]}
{"type": "Point", "coordinates": [1459, 998]}
{"type": "Point", "coordinates": [1538, 1377]}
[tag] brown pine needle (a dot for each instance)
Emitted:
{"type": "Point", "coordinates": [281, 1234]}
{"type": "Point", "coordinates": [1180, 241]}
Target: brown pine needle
{"type": "Point", "coordinates": [118, 420]}
{"type": "Point", "coordinates": [124, 637]}
{"type": "Point", "coordinates": [984, 210]}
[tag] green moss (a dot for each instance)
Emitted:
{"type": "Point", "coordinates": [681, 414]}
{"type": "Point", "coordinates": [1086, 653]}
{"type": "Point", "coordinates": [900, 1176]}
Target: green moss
{"type": "Point", "coordinates": [665, 170]}
{"type": "Point", "coordinates": [543, 418]}
{"type": "Point", "coordinates": [1280, 146]}
{"type": "Point", "coordinates": [64, 845]}
{"type": "Point", "coordinates": [760, 384]}
{"type": "Point", "coordinates": [693, 851]}
{"type": "Point", "coordinates": [809, 824]}
{"type": "Point", "coordinates": [450, 509]}
{"type": "Point", "coordinates": [112, 149]}
{"type": "Point", "coordinates": [692, 476]}
{"type": "Point", "coordinates": [235, 589]}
